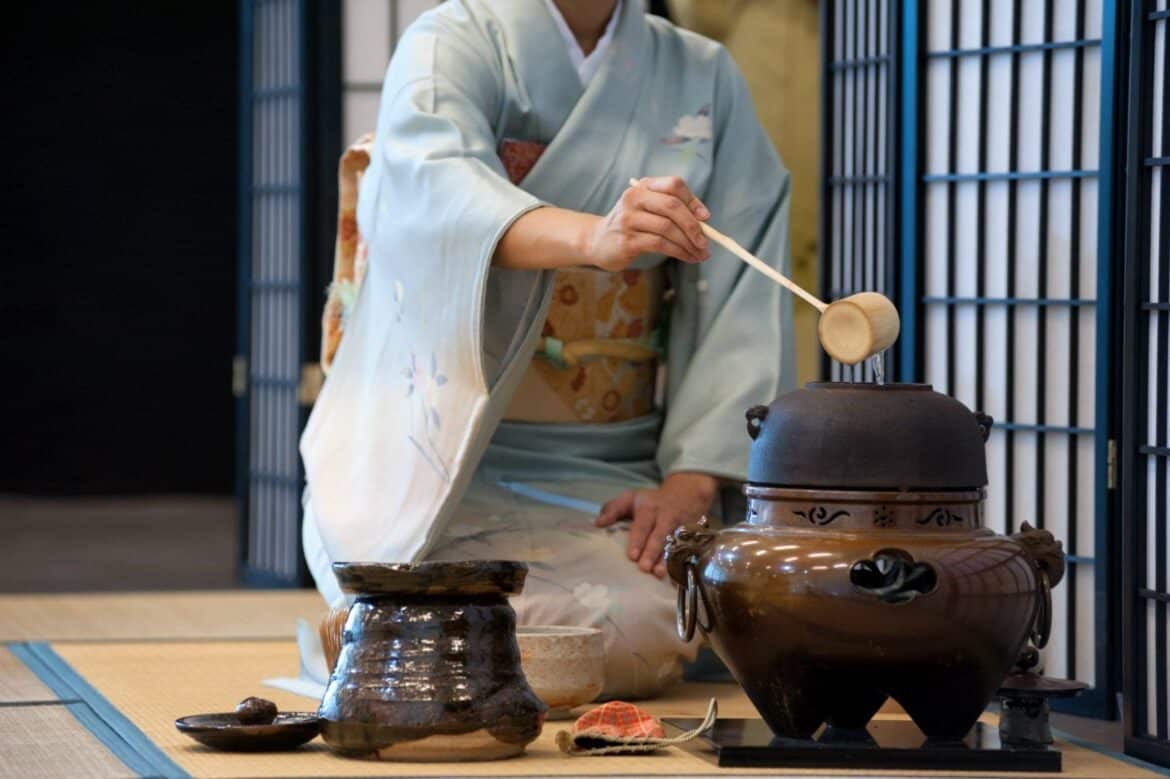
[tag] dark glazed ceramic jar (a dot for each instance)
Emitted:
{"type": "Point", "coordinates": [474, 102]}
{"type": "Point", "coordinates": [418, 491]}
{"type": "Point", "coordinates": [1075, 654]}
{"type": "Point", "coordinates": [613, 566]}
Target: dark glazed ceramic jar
{"type": "Point", "coordinates": [863, 570]}
{"type": "Point", "coordinates": [429, 668]}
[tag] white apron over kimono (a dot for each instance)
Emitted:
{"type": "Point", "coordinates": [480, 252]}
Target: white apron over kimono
{"type": "Point", "coordinates": [405, 454]}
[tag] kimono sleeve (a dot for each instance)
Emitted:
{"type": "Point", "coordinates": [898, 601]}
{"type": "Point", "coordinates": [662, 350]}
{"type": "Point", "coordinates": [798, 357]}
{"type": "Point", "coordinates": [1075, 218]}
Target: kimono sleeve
{"type": "Point", "coordinates": [398, 429]}
{"type": "Point", "coordinates": [731, 326]}
{"type": "Point", "coordinates": [436, 173]}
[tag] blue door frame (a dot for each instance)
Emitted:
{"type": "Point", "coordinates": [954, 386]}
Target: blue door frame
{"type": "Point", "coordinates": [1145, 382]}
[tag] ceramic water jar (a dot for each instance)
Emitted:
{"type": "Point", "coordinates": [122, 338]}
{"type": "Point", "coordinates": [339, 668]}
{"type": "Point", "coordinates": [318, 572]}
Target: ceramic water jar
{"type": "Point", "coordinates": [429, 668]}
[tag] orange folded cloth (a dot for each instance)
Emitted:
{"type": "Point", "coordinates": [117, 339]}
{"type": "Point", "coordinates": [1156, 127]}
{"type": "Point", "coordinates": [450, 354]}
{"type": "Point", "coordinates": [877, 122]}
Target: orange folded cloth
{"type": "Point", "coordinates": [622, 728]}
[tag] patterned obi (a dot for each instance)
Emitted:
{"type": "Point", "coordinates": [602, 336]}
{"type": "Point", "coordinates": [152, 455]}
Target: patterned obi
{"type": "Point", "coordinates": [597, 360]}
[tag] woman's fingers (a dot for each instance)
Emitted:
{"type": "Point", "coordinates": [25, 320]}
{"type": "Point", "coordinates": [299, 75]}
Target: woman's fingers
{"type": "Point", "coordinates": [647, 222]}
{"type": "Point", "coordinates": [676, 210]}
{"type": "Point", "coordinates": [653, 216]}
{"type": "Point", "coordinates": [674, 185]}
{"type": "Point", "coordinates": [652, 243]}
{"type": "Point", "coordinates": [655, 543]}
{"type": "Point", "coordinates": [617, 509]}
{"type": "Point", "coordinates": [645, 515]}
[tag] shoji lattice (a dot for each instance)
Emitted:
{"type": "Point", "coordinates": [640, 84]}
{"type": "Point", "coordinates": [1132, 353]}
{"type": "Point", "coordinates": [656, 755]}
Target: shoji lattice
{"type": "Point", "coordinates": [962, 177]}
{"type": "Point", "coordinates": [1008, 270]}
{"type": "Point", "coordinates": [858, 155]}
{"type": "Point", "coordinates": [272, 184]}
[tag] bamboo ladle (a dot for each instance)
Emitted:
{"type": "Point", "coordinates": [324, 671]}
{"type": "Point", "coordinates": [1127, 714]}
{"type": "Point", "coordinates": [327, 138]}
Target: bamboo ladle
{"type": "Point", "coordinates": [850, 329]}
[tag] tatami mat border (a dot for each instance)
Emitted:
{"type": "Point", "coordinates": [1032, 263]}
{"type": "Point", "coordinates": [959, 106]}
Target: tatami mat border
{"type": "Point", "coordinates": [1086, 744]}
{"type": "Point", "coordinates": [140, 755]}
{"type": "Point", "coordinates": [95, 713]}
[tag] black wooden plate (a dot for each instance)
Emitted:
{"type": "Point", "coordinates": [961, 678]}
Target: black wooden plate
{"type": "Point", "coordinates": [225, 731]}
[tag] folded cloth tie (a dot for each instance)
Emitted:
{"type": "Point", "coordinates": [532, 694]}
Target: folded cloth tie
{"type": "Point", "coordinates": [622, 728]}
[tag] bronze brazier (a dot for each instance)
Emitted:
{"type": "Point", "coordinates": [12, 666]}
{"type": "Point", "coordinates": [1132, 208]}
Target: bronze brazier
{"type": "Point", "coordinates": [863, 571]}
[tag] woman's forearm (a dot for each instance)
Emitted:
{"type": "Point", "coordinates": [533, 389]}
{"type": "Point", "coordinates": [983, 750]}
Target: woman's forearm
{"type": "Point", "coordinates": [654, 216]}
{"type": "Point", "coordinates": [546, 239]}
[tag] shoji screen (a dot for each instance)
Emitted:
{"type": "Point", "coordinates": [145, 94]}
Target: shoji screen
{"type": "Point", "coordinates": [370, 29]}
{"type": "Point", "coordinates": [1008, 217]}
{"type": "Point", "coordinates": [860, 112]}
{"type": "Point", "coordinates": [962, 176]}
{"type": "Point", "coordinates": [289, 116]}
{"type": "Point", "coordinates": [271, 252]}
{"type": "Point", "coordinates": [1146, 452]}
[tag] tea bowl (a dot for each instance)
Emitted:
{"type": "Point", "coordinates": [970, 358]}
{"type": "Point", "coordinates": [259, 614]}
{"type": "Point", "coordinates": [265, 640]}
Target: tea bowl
{"type": "Point", "coordinates": [564, 665]}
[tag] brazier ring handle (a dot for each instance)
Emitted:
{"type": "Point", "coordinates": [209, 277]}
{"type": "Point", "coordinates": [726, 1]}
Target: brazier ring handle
{"type": "Point", "coordinates": [1042, 629]}
{"type": "Point", "coordinates": [687, 613]}
{"type": "Point", "coordinates": [684, 548]}
{"type": "Point", "coordinates": [1047, 555]}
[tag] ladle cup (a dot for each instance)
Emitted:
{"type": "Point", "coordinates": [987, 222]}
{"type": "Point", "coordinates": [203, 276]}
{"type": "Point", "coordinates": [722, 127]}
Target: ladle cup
{"type": "Point", "coordinates": [850, 329]}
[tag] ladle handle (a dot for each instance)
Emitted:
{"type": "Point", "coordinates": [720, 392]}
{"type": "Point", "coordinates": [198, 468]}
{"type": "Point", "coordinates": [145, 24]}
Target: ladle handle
{"type": "Point", "coordinates": [729, 243]}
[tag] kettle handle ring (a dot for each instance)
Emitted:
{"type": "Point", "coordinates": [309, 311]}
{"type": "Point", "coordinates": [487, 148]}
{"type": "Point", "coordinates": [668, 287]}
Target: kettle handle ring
{"type": "Point", "coordinates": [755, 419]}
{"type": "Point", "coordinates": [985, 422]}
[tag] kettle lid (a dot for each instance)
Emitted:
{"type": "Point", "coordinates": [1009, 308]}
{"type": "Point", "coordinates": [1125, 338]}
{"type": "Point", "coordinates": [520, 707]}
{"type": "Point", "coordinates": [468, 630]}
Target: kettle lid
{"type": "Point", "coordinates": [839, 435]}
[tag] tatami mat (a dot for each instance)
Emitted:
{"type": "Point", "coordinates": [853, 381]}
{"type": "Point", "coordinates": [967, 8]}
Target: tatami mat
{"type": "Point", "coordinates": [48, 741]}
{"type": "Point", "coordinates": [247, 614]}
{"type": "Point", "coordinates": [153, 683]}
{"type": "Point", "coordinates": [18, 684]}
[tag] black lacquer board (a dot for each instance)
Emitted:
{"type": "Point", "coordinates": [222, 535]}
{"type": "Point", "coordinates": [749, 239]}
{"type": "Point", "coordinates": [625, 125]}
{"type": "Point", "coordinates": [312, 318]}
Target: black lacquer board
{"type": "Point", "coordinates": [888, 744]}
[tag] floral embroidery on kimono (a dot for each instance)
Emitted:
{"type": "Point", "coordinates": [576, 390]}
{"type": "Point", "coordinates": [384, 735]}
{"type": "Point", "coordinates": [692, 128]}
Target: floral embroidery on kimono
{"type": "Point", "coordinates": [422, 388]}
{"type": "Point", "coordinates": [691, 131]}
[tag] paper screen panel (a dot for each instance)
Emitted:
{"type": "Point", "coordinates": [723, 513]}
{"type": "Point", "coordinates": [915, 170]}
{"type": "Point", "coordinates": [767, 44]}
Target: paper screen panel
{"type": "Point", "coordinates": [370, 28]}
{"type": "Point", "coordinates": [857, 234]}
{"type": "Point", "coordinates": [1009, 212]}
{"type": "Point", "coordinates": [275, 287]}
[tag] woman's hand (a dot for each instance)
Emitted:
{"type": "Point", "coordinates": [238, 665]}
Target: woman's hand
{"type": "Point", "coordinates": [659, 216]}
{"type": "Point", "coordinates": [655, 513]}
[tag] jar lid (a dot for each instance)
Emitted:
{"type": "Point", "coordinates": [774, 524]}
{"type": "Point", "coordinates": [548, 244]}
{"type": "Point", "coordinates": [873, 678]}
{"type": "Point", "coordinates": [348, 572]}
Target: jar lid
{"type": "Point", "coordinates": [845, 436]}
{"type": "Point", "coordinates": [437, 577]}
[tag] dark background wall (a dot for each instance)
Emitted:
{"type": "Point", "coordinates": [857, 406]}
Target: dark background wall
{"type": "Point", "coordinates": [118, 275]}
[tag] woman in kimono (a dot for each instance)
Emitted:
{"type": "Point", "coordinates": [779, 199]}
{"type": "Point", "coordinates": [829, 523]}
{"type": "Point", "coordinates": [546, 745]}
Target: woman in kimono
{"type": "Point", "coordinates": [525, 374]}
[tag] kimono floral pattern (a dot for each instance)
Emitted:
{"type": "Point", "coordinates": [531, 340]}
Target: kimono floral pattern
{"type": "Point", "coordinates": [423, 383]}
{"type": "Point", "coordinates": [691, 133]}
{"type": "Point", "coordinates": [399, 301]}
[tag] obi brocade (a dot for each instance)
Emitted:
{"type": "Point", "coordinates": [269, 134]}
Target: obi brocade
{"type": "Point", "coordinates": [599, 353]}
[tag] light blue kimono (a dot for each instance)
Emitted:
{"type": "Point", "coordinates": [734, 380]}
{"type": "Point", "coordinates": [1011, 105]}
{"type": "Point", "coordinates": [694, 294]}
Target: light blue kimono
{"type": "Point", "coordinates": [404, 453]}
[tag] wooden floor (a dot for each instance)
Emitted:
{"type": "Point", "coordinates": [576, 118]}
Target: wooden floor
{"type": "Point", "coordinates": [106, 544]}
